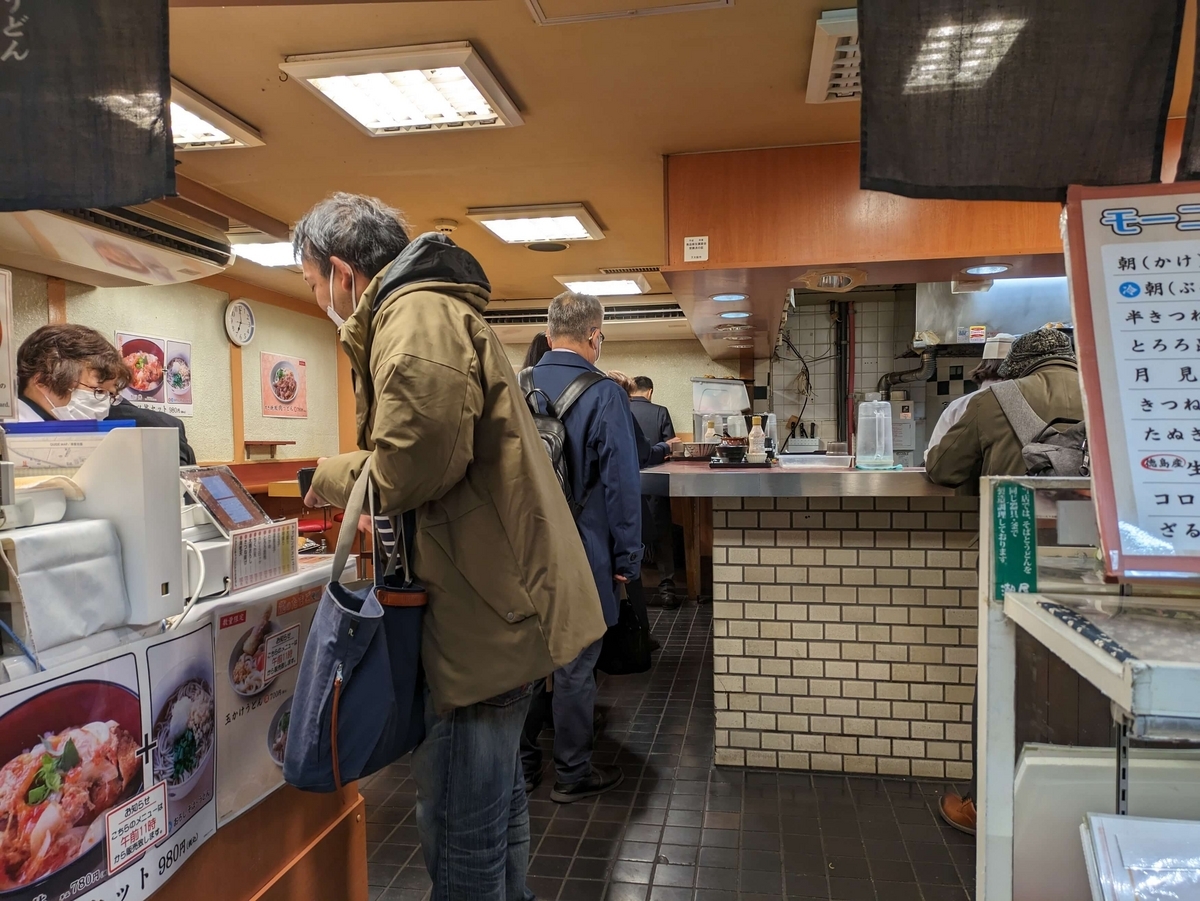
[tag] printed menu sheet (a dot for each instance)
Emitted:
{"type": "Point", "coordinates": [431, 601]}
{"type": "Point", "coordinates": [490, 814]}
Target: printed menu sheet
{"type": "Point", "coordinates": [258, 650]}
{"type": "Point", "coordinates": [1134, 257]}
{"type": "Point", "coordinates": [108, 770]}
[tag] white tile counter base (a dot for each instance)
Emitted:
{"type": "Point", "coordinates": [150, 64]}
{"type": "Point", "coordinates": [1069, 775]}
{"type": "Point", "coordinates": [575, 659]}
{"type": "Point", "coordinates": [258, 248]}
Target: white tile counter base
{"type": "Point", "coordinates": [844, 633]}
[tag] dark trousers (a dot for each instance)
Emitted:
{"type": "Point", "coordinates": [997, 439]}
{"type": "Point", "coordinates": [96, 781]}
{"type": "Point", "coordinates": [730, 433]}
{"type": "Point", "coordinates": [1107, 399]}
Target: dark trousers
{"type": "Point", "coordinates": [974, 741]}
{"type": "Point", "coordinates": [536, 720]}
{"type": "Point", "coordinates": [657, 534]}
{"type": "Point", "coordinates": [571, 706]}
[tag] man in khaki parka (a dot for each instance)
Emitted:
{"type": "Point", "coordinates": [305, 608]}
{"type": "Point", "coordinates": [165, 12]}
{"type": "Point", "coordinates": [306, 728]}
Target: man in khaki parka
{"type": "Point", "coordinates": [447, 434]}
{"type": "Point", "coordinates": [982, 443]}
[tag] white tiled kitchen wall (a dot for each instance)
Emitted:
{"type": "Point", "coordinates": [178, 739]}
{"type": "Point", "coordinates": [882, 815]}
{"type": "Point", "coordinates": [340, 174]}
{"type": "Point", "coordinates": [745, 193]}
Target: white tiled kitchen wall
{"type": "Point", "coordinates": [883, 332]}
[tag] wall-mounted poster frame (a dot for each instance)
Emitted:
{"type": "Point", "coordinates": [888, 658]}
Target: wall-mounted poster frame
{"type": "Point", "coordinates": [1133, 264]}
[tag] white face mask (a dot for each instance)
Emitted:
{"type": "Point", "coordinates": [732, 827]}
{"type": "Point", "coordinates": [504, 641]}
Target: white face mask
{"type": "Point", "coordinates": [338, 321]}
{"type": "Point", "coordinates": [83, 405]}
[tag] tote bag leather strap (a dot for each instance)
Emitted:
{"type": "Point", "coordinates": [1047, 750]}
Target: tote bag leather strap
{"type": "Point", "coordinates": [354, 510]}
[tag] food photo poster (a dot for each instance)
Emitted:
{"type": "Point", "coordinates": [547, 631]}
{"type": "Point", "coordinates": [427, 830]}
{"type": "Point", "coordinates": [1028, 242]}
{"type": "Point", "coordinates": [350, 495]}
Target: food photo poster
{"type": "Point", "coordinates": [178, 378]}
{"type": "Point", "coordinates": [258, 650]}
{"type": "Point", "coordinates": [284, 387]}
{"type": "Point", "coordinates": [107, 771]}
{"type": "Point", "coordinates": [161, 372]}
{"type": "Point", "coordinates": [145, 357]}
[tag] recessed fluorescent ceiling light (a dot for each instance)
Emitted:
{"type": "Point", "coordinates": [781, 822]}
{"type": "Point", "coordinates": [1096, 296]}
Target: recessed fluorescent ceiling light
{"type": "Point", "coordinates": [394, 90]}
{"type": "Point", "coordinates": [728, 298]}
{"type": "Point", "coordinates": [605, 286]}
{"type": "Point", "coordinates": [273, 253]}
{"type": "Point", "coordinates": [991, 269]}
{"type": "Point", "coordinates": [543, 222]}
{"type": "Point", "coordinates": [199, 124]}
{"type": "Point", "coordinates": [737, 314]}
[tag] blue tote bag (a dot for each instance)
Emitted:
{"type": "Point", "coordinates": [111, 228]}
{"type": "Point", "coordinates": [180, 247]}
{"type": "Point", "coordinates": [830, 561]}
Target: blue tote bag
{"type": "Point", "coordinates": [358, 704]}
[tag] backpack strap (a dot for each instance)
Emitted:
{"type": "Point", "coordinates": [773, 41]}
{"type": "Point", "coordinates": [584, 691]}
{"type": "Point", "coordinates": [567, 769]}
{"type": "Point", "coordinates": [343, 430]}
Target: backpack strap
{"type": "Point", "coordinates": [575, 390]}
{"type": "Point", "coordinates": [565, 401]}
{"type": "Point", "coordinates": [1024, 421]}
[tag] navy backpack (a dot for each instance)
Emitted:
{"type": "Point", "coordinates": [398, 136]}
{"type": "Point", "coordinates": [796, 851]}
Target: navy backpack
{"type": "Point", "coordinates": [359, 699]}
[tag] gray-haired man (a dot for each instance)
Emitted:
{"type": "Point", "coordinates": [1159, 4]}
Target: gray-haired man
{"type": "Point", "coordinates": [446, 433]}
{"type": "Point", "coordinates": [602, 458]}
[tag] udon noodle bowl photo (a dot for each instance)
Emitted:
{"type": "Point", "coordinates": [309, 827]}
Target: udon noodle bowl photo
{"type": "Point", "coordinates": [184, 733]}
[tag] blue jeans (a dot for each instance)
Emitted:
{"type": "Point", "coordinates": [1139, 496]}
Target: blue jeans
{"type": "Point", "coordinates": [472, 814]}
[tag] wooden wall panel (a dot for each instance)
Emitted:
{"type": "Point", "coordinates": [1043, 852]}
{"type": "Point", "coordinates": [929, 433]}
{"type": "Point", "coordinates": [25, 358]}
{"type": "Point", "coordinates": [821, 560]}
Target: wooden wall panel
{"type": "Point", "coordinates": [801, 206]}
{"type": "Point", "coordinates": [294, 845]}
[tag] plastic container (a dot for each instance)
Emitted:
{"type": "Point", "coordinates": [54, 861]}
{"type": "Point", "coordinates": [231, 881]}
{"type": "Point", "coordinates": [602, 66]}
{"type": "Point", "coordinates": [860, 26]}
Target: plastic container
{"type": "Point", "coordinates": [874, 435]}
{"type": "Point", "coordinates": [735, 426]}
{"type": "Point", "coordinates": [771, 428]}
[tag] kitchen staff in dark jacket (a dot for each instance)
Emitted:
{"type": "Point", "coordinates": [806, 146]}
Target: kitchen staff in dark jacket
{"type": "Point", "coordinates": [602, 457]}
{"type": "Point", "coordinates": [657, 529]}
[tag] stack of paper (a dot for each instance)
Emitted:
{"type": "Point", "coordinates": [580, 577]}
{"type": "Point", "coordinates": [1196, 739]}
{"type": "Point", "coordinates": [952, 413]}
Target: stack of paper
{"type": "Point", "coordinates": [1142, 859]}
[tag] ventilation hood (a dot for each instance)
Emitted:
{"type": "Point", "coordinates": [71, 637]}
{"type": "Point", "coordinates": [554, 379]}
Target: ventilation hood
{"type": "Point", "coordinates": [517, 321]}
{"type": "Point", "coordinates": [143, 245]}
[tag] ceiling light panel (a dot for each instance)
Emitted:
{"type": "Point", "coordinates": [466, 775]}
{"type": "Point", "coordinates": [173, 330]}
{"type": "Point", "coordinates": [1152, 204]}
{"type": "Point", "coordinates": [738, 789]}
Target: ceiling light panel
{"type": "Point", "coordinates": [605, 286]}
{"type": "Point", "coordinates": [399, 90]}
{"type": "Point", "coordinates": [545, 222]}
{"type": "Point", "coordinates": [199, 124]}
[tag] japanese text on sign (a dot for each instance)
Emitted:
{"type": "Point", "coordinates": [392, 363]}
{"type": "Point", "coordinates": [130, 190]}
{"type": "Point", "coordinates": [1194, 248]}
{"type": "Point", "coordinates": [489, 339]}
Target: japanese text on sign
{"type": "Point", "coordinates": [135, 826]}
{"type": "Point", "coordinates": [14, 38]}
{"type": "Point", "coordinates": [283, 652]}
{"type": "Point", "coordinates": [1154, 310]}
{"type": "Point", "coordinates": [1014, 531]}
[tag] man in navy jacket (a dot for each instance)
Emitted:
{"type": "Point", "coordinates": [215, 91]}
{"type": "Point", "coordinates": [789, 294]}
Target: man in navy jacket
{"type": "Point", "coordinates": [603, 461]}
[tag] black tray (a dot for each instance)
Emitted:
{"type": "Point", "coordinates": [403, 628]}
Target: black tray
{"type": "Point", "coordinates": [717, 463]}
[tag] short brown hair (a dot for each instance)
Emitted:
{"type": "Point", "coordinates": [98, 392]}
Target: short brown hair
{"type": "Point", "coordinates": [986, 371]}
{"type": "Point", "coordinates": [626, 383]}
{"type": "Point", "coordinates": [60, 354]}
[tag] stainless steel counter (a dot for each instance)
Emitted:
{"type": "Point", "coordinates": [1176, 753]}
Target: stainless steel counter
{"type": "Point", "coordinates": [697, 480]}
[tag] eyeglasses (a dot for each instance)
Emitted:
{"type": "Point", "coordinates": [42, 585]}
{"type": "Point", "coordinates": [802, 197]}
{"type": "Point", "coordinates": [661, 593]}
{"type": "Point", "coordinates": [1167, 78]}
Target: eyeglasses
{"type": "Point", "coordinates": [99, 393]}
{"type": "Point", "coordinates": [599, 332]}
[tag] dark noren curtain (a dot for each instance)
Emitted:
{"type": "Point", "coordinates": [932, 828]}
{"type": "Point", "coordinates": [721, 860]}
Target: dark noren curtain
{"type": "Point", "coordinates": [1189, 157]}
{"type": "Point", "coordinates": [85, 89]}
{"type": "Point", "coordinates": [1014, 99]}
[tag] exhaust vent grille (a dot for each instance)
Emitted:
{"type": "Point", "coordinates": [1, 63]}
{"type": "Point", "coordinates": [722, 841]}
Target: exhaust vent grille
{"type": "Point", "coordinates": [629, 270]}
{"type": "Point", "coordinates": [153, 231]}
{"type": "Point", "coordinates": [631, 313]}
{"type": "Point", "coordinates": [833, 74]}
{"type": "Point", "coordinates": [568, 12]}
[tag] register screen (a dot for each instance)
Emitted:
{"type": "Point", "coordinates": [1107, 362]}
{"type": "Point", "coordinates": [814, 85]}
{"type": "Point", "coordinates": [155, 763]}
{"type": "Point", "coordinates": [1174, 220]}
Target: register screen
{"type": "Point", "coordinates": [227, 500]}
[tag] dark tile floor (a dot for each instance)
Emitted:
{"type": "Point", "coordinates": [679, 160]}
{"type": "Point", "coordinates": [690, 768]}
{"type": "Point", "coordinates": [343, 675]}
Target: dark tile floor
{"type": "Point", "coordinates": [680, 829]}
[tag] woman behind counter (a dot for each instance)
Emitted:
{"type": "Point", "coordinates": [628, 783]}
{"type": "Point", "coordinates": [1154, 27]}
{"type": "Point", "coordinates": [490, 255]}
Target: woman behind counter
{"type": "Point", "coordinates": [71, 372]}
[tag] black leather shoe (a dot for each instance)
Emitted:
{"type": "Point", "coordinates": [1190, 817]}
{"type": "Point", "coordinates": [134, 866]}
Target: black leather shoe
{"type": "Point", "coordinates": [597, 782]}
{"type": "Point", "coordinates": [532, 781]}
{"type": "Point", "coordinates": [666, 596]}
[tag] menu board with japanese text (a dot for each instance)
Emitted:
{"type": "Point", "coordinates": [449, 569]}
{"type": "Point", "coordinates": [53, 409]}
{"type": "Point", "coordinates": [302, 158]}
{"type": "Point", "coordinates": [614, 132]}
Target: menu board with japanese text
{"type": "Point", "coordinates": [262, 553]}
{"type": "Point", "coordinates": [1134, 267]}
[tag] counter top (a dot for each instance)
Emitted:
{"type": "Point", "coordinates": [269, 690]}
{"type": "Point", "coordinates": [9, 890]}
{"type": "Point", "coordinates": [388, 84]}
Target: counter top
{"type": "Point", "coordinates": [698, 480]}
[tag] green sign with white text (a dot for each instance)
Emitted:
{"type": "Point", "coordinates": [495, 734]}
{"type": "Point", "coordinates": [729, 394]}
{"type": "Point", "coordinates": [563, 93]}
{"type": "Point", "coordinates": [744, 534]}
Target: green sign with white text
{"type": "Point", "coordinates": [1014, 538]}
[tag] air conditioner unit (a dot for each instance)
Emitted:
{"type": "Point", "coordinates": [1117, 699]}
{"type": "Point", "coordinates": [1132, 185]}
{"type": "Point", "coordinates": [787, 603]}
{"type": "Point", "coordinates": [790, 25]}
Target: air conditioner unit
{"type": "Point", "coordinates": [143, 245]}
{"type": "Point", "coordinates": [516, 323]}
